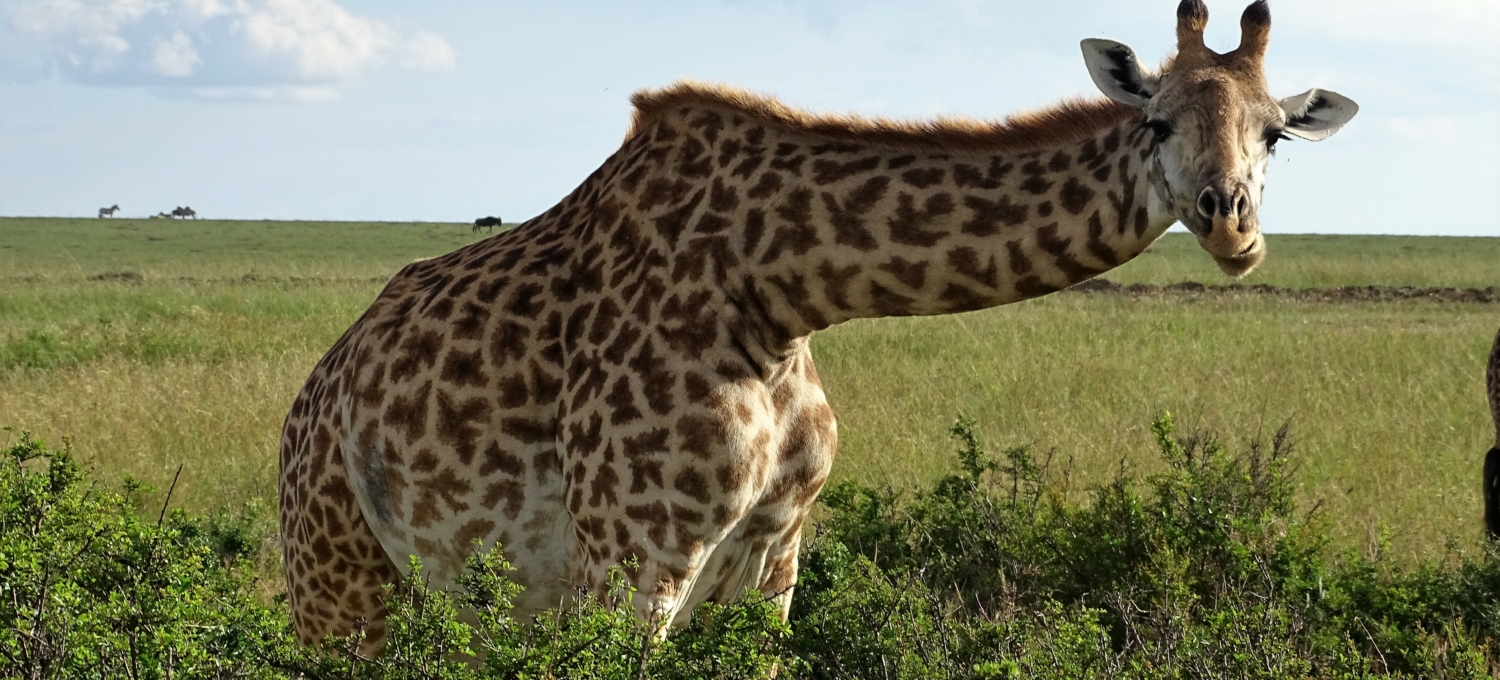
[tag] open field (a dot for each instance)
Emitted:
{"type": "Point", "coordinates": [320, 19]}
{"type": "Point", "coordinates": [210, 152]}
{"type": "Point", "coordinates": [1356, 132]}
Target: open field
{"type": "Point", "coordinates": [53, 248]}
{"type": "Point", "coordinates": [154, 343]}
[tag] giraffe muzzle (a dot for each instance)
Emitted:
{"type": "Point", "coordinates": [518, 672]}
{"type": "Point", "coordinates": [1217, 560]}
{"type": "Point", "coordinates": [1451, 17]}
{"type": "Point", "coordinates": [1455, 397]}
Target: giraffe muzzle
{"type": "Point", "coordinates": [1216, 203]}
{"type": "Point", "coordinates": [1228, 229]}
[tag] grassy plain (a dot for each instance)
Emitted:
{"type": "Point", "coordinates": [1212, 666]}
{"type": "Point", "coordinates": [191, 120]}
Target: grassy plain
{"type": "Point", "coordinates": [158, 343]}
{"type": "Point", "coordinates": [1319, 261]}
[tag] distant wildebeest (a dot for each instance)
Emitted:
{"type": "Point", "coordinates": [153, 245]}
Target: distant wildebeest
{"type": "Point", "coordinates": [488, 223]}
{"type": "Point", "coordinates": [1492, 461]}
{"type": "Point", "coordinates": [110, 211]}
{"type": "Point", "coordinates": [184, 212]}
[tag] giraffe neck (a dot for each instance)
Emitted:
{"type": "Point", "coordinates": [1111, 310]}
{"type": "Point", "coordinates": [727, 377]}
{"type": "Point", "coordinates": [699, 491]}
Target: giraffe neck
{"type": "Point", "coordinates": [862, 232]}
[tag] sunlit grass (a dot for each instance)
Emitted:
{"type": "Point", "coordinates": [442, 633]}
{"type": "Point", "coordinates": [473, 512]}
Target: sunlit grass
{"type": "Point", "coordinates": [1314, 261]}
{"type": "Point", "coordinates": [191, 345]}
{"type": "Point", "coordinates": [1386, 399]}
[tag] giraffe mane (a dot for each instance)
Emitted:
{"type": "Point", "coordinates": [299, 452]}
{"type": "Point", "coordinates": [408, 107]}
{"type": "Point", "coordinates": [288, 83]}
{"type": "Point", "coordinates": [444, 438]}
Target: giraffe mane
{"type": "Point", "coordinates": [1055, 125]}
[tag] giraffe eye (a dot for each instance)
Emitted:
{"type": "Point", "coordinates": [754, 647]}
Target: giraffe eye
{"type": "Point", "coordinates": [1162, 129]}
{"type": "Point", "coordinates": [1273, 136]}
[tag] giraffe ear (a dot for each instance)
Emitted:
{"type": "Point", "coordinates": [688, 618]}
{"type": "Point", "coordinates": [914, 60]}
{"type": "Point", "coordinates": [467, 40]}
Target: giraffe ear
{"type": "Point", "coordinates": [1118, 73]}
{"type": "Point", "coordinates": [1316, 114]}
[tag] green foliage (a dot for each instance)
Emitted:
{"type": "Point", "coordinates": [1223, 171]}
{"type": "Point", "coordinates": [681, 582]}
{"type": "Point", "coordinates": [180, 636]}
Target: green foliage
{"type": "Point", "coordinates": [90, 587]}
{"type": "Point", "coordinates": [594, 637]}
{"type": "Point", "coordinates": [1205, 569]}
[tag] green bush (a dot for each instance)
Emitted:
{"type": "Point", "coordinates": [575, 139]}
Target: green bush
{"type": "Point", "coordinates": [1207, 569]}
{"type": "Point", "coordinates": [90, 587]}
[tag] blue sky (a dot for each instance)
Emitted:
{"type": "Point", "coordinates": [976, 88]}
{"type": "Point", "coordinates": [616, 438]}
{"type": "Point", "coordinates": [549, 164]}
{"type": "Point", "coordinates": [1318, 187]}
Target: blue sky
{"type": "Point", "coordinates": [383, 110]}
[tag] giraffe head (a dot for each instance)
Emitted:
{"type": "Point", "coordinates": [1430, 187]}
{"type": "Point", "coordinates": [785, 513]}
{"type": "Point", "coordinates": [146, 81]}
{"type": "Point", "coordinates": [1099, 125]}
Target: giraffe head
{"type": "Point", "coordinates": [1215, 126]}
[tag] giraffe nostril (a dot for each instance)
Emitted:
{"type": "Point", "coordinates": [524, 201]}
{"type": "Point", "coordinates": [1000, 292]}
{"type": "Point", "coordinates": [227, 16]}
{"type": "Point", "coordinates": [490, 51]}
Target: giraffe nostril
{"type": "Point", "coordinates": [1208, 203]}
{"type": "Point", "coordinates": [1241, 204]}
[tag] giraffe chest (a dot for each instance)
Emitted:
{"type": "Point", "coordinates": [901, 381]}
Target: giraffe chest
{"type": "Point", "coordinates": [715, 489]}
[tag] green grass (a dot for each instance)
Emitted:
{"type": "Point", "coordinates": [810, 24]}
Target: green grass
{"type": "Point", "coordinates": [1386, 400]}
{"type": "Point", "coordinates": [191, 345]}
{"type": "Point", "coordinates": [53, 248]}
{"type": "Point", "coordinates": [62, 248]}
{"type": "Point", "coordinates": [1315, 261]}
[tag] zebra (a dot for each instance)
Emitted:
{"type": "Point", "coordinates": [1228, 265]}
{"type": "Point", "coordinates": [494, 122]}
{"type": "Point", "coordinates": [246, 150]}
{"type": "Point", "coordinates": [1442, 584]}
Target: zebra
{"type": "Point", "coordinates": [162, 216]}
{"type": "Point", "coordinates": [184, 212]}
{"type": "Point", "coordinates": [110, 211]}
{"type": "Point", "coordinates": [488, 223]}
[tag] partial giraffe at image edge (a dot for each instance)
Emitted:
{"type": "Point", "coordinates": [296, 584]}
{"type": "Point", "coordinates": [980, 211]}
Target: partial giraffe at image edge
{"type": "Point", "coordinates": [628, 375]}
{"type": "Point", "coordinates": [1492, 459]}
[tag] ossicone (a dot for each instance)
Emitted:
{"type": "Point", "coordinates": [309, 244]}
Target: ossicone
{"type": "Point", "coordinates": [1255, 31]}
{"type": "Point", "coordinates": [1192, 18]}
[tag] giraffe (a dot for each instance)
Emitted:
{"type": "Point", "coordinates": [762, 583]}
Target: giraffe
{"type": "Point", "coordinates": [1492, 459]}
{"type": "Point", "coordinates": [627, 375]}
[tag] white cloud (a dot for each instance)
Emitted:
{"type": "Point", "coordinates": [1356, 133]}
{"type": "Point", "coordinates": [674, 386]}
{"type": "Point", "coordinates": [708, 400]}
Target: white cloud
{"type": "Point", "coordinates": [85, 35]}
{"type": "Point", "coordinates": [322, 39]}
{"type": "Point", "coordinates": [202, 9]}
{"type": "Point", "coordinates": [301, 95]}
{"type": "Point", "coordinates": [249, 46]}
{"type": "Point", "coordinates": [427, 51]}
{"type": "Point", "coordinates": [175, 56]}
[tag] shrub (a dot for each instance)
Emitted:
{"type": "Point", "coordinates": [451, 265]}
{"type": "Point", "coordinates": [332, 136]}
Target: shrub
{"type": "Point", "coordinates": [1206, 569]}
{"type": "Point", "coordinates": [90, 587]}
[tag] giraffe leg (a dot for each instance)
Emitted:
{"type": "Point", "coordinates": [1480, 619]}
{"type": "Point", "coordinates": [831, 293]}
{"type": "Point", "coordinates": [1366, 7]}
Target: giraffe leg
{"type": "Point", "coordinates": [661, 593]}
{"type": "Point", "coordinates": [781, 573]}
{"type": "Point", "coordinates": [662, 583]}
{"type": "Point", "coordinates": [335, 566]}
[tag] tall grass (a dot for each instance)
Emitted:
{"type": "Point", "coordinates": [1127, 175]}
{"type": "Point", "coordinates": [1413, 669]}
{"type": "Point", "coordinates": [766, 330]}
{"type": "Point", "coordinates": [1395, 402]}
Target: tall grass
{"type": "Point", "coordinates": [188, 349]}
{"type": "Point", "coordinates": [1386, 398]}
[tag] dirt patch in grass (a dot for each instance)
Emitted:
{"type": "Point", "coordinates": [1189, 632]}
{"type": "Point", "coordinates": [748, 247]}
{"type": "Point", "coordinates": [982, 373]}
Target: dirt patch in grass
{"type": "Point", "coordinates": [119, 277]}
{"type": "Point", "coordinates": [1490, 294]}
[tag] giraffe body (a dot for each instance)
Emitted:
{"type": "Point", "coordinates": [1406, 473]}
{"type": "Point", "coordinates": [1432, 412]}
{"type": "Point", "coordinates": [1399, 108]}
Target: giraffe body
{"type": "Point", "coordinates": [628, 374]}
